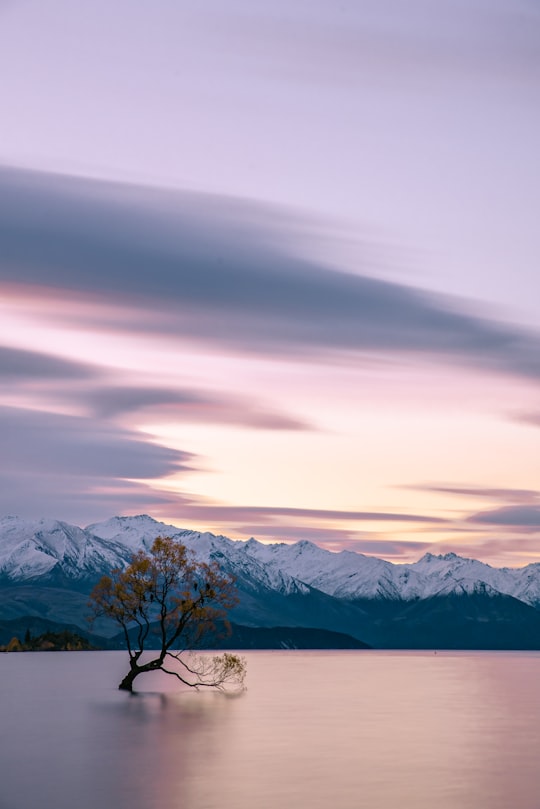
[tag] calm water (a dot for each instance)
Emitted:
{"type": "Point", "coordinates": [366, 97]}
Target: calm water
{"type": "Point", "coordinates": [346, 730]}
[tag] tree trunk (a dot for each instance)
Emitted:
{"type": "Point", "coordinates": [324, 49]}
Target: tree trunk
{"type": "Point", "coordinates": [135, 670]}
{"type": "Point", "coordinates": [127, 682]}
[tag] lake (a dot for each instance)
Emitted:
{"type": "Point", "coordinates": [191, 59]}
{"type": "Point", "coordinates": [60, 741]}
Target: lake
{"type": "Point", "coordinates": [346, 730]}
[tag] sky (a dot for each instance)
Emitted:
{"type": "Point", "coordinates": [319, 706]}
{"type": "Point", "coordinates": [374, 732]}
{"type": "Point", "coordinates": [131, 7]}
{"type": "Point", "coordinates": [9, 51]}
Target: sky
{"type": "Point", "coordinates": [272, 270]}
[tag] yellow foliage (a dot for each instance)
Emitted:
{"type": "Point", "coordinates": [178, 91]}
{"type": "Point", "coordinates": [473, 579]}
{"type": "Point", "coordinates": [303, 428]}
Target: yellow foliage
{"type": "Point", "coordinates": [14, 645]}
{"type": "Point", "coordinates": [167, 594]}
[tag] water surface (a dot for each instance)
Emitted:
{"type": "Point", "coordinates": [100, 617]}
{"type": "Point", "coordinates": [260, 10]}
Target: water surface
{"type": "Point", "coordinates": [348, 730]}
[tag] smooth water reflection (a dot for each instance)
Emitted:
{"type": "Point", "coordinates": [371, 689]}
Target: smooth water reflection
{"type": "Point", "coordinates": [314, 729]}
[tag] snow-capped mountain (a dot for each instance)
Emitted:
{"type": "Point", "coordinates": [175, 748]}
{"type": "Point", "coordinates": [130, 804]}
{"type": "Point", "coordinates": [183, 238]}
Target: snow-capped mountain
{"type": "Point", "coordinates": [139, 532]}
{"type": "Point", "coordinates": [43, 550]}
{"type": "Point", "coordinates": [135, 533]}
{"type": "Point", "coordinates": [356, 577]}
{"type": "Point", "coordinates": [32, 550]}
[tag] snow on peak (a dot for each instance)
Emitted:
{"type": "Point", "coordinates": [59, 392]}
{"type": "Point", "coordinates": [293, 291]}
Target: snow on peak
{"type": "Point", "coordinates": [442, 557]}
{"type": "Point", "coordinates": [30, 549]}
{"type": "Point", "coordinates": [136, 533]}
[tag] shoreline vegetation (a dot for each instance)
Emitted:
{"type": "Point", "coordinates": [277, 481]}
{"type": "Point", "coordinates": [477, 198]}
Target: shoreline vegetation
{"type": "Point", "coordinates": [242, 638]}
{"type": "Point", "coordinates": [63, 641]}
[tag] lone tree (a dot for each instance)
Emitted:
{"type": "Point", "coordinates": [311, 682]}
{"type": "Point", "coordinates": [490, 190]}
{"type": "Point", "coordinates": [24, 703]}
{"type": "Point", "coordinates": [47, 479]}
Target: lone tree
{"type": "Point", "coordinates": [167, 599]}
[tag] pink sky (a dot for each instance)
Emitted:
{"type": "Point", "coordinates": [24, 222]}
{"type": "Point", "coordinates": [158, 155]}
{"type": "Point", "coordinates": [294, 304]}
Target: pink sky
{"type": "Point", "coordinates": [289, 290]}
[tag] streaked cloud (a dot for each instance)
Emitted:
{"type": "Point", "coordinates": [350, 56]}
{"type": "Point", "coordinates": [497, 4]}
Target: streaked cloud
{"type": "Point", "coordinates": [514, 508]}
{"type": "Point", "coordinates": [395, 550]}
{"type": "Point", "coordinates": [56, 443]}
{"type": "Point", "coordinates": [17, 365]}
{"type": "Point", "coordinates": [509, 551]}
{"type": "Point", "coordinates": [487, 492]}
{"type": "Point", "coordinates": [339, 539]}
{"type": "Point", "coordinates": [519, 516]}
{"type": "Point", "coordinates": [78, 499]}
{"type": "Point", "coordinates": [224, 272]}
{"type": "Point", "coordinates": [268, 514]}
{"type": "Point", "coordinates": [105, 398]}
{"type": "Point", "coordinates": [80, 468]}
{"type": "Point", "coordinates": [464, 40]}
{"type": "Point", "coordinates": [187, 406]}
{"type": "Point", "coordinates": [529, 418]}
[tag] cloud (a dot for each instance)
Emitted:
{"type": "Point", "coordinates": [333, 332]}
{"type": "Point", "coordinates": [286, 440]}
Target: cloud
{"type": "Point", "coordinates": [267, 514]}
{"type": "Point", "coordinates": [65, 466]}
{"type": "Point", "coordinates": [522, 513]}
{"type": "Point", "coordinates": [62, 459]}
{"type": "Point", "coordinates": [532, 419]}
{"type": "Point", "coordinates": [494, 493]}
{"type": "Point", "coordinates": [519, 509]}
{"type": "Point", "coordinates": [337, 539]}
{"type": "Point", "coordinates": [520, 516]}
{"type": "Point", "coordinates": [106, 399]}
{"type": "Point", "coordinates": [509, 551]}
{"type": "Point", "coordinates": [325, 537]}
{"type": "Point", "coordinates": [393, 42]}
{"type": "Point", "coordinates": [226, 272]}
{"type": "Point", "coordinates": [43, 443]}
{"type": "Point", "coordinates": [78, 499]}
{"type": "Point", "coordinates": [392, 550]}
{"type": "Point", "coordinates": [19, 365]}
{"type": "Point", "coordinates": [187, 405]}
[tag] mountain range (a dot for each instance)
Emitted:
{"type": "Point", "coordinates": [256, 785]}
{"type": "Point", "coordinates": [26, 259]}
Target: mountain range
{"type": "Point", "coordinates": [48, 567]}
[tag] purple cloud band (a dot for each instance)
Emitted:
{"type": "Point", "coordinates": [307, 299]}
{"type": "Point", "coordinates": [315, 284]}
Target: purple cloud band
{"type": "Point", "coordinates": [223, 271]}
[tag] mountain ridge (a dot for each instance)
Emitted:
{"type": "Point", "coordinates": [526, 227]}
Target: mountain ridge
{"type": "Point", "coordinates": [48, 567]}
{"type": "Point", "coordinates": [42, 550]}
